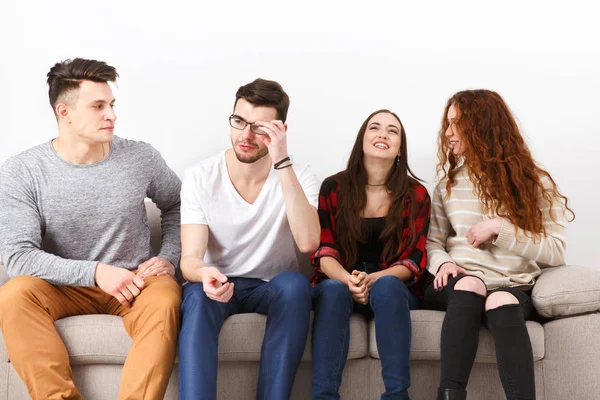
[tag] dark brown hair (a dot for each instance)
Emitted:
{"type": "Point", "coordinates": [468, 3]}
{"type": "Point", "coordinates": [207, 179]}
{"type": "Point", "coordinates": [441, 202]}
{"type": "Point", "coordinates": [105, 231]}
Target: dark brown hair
{"type": "Point", "coordinates": [67, 76]}
{"type": "Point", "coordinates": [353, 199]}
{"type": "Point", "coordinates": [262, 92]}
{"type": "Point", "coordinates": [500, 165]}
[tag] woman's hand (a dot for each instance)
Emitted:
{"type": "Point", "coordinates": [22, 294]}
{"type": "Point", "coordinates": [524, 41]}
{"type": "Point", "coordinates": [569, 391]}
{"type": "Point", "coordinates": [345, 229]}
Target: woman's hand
{"type": "Point", "coordinates": [483, 231]}
{"type": "Point", "coordinates": [360, 293]}
{"type": "Point", "coordinates": [448, 268]}
{"type": "Point", "coordinates": [365, 279]}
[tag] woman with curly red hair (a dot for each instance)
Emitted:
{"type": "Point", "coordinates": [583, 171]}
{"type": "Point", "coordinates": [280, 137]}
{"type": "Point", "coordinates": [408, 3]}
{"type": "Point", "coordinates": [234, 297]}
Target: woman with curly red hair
{"type": "Point", "coordinates": [497, 218]}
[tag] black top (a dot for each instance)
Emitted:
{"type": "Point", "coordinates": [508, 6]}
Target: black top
{"type": "Point", "coordinates": [371, 250]}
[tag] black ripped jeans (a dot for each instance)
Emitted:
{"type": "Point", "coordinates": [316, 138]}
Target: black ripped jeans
{"type": "Point", "coordinates": [465, 312]}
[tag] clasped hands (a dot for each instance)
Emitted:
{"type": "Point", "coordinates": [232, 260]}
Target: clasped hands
{"type": "Point", "coordinates": [359, 284]}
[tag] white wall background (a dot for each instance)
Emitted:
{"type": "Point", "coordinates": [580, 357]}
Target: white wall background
{"type": "Point", "coordinates": [181, 62]}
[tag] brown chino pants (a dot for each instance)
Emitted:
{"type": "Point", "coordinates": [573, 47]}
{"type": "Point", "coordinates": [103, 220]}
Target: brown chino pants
{"type": "Point", "coordinates": [29, 306]}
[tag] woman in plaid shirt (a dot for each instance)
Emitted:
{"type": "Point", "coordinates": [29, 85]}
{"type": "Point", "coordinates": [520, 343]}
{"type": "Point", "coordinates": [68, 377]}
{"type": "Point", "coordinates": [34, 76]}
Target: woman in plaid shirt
{"type": "Point", "coordinates": [374, 221]}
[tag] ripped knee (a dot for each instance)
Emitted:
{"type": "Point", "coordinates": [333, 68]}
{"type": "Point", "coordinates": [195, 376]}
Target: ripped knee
{"type": "Point", "coordinates": [499, 299]}
{"type": "Point", "coordinates": [471, 284]}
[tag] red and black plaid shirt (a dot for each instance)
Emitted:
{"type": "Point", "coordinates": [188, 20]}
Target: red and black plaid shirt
{"type": "Point", "coordinates": [414, 257]}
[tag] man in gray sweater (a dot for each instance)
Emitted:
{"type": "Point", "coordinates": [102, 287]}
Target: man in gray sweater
{"type": "Point", "coordinates": [74, 237]}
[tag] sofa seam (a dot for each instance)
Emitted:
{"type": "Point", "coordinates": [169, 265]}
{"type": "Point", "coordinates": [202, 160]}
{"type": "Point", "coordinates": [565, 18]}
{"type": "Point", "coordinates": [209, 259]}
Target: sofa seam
{"type": "Point", "coordinates": [580, 303]}
{"type": "Point", "coordinates": [87, 324]}
{"type": "Point", "coordinates": [96, 354]}
{"type": "Point", "coordinates": [569, 293]}
{"type": "Point", "coordinates": [437, 352]}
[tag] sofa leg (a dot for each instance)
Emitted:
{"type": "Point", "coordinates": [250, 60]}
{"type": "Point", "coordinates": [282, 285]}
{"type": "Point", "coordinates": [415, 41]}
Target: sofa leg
{"type": "Point", "coordinates": [451, 394]}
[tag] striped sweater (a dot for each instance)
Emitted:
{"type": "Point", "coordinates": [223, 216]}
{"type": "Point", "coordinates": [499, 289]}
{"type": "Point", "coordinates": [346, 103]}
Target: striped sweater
{"type": "Point", "coordinates": [511, 259]}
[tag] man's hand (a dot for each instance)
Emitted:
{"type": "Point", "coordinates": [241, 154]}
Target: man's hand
{"type": "Point", "coordinates": [275, 139]}
{"type": "Point", "coordinates": [156, 266]}
{"type": "Point", "coordinates": [360, 293]}
{"type": "Point", "coordinates": [215, 285]}
{"type": "Point", "coordinates": [483, 231]}
{"type": "Point", "coordinates": [120, 283]}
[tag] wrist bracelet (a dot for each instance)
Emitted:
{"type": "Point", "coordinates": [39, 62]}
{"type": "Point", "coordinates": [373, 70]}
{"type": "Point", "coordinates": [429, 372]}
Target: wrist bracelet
{"type": "Point", "coordinates": [285, 166]}
{"type": "Point", "coordinates": [278, 163]}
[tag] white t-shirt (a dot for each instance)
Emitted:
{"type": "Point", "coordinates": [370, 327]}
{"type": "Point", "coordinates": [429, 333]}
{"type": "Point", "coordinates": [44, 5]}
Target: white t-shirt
{"type": "Point", "coordinates": [245, 240]}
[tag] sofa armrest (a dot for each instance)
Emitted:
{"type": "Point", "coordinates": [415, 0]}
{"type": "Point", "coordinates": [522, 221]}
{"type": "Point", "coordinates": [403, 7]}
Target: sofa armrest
{"type": "Point", "coordinates": [3, 275]}
{"type": "Point", "coordinates": [566, 291]}
{"type": "Point", "coordinates": [570, 363]}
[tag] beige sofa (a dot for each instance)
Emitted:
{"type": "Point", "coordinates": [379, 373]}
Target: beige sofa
{"type": "Point", "coordinates": [566, 350]}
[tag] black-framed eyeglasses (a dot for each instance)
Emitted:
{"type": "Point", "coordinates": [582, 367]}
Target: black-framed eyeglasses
{"type": "Point", "coordinates": [240, 123]}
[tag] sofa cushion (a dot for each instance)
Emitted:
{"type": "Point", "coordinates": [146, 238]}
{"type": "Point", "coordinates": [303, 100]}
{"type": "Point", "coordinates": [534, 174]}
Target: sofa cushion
{"type": "Point", "coordinates": [99, 339]}
{"type": "Point", "coordinates": [242, 335]}
{"type": "Point", "coordinates": [427, 329]}
{"type": "Point", "coordinates": [94, 339]}
{"type": "Point", "coordinates": [565, 291]}
{"type": "Point", "coordinates": [102, 339]}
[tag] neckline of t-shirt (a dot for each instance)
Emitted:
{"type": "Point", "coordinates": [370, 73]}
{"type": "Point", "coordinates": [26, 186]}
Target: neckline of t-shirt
{"type": "Point", "coordinates": [232, 187]}
{"type": "Point", "coordinates": [56, 156]}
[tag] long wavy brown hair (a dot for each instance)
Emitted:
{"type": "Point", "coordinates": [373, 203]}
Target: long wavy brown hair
{"type": "Point", "coordinates": [353, 199]}
{"type": "Point", "coordinates": [507, 179]}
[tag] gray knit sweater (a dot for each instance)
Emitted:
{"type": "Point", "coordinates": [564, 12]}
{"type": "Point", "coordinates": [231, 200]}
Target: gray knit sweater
{"type": "Point", "coordinates": [58, 220]}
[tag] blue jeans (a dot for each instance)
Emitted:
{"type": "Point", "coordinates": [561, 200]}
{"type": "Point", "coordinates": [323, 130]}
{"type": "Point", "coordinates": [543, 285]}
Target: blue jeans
{"type": "Point", "coordinates": [390, 302]}
{"type": "Point", "coordinates": [286, 300]}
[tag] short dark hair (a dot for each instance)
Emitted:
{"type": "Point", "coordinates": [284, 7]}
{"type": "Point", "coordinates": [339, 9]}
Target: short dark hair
{"type": "Point", "coordinates": [67, 75]}
{"type": "Point", "coordinates": [262, 92]}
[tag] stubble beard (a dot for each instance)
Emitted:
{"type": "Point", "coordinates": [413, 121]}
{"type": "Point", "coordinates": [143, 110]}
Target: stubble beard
{"type": "Point", "coordinates": [249, 159]}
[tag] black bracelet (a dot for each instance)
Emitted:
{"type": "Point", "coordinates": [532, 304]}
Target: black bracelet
{"type": "Point", "coordinates": [285, 166]}
{"type": "Point", "coordinates": [278, 163]}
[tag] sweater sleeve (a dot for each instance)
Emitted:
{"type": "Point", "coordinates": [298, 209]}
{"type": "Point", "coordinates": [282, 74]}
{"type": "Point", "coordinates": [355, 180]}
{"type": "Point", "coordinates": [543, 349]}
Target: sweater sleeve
{"type": "Point", "coordinates": [21, 234]}
{"type": "Point", "coordinates": [439, 231]}
{"type": "Point", "coordinates": [415, 256]}
{"type": "Point", "coordinates": [549, 249]}
{"type": "Point", "coordinates": [164, 190]}
{"type": "Point", "coordinates": [327, 248]}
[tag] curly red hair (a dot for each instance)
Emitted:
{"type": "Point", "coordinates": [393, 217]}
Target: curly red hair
{"type": "Point", "coordinates": [506, 178]}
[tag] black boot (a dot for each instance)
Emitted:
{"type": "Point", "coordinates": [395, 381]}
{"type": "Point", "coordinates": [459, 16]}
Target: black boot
{"type": "Point", "coordinates": [451, 394]}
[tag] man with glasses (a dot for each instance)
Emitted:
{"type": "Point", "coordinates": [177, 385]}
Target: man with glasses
{"type": "Point", "coordinates": [241, 212]}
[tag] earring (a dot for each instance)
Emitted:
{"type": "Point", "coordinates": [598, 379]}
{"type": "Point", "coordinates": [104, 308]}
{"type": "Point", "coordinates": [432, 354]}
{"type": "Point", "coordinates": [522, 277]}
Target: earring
{"type": "Point", "coordinates": [398, 160]}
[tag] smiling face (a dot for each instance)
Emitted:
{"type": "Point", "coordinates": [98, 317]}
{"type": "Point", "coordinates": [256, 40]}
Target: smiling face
{"type": "Point", "coordinates": [382, 137]}
{"type": "Point", "coordinates": [248, 149]}
{"type": "Point", "coordinates": [452, 133]}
